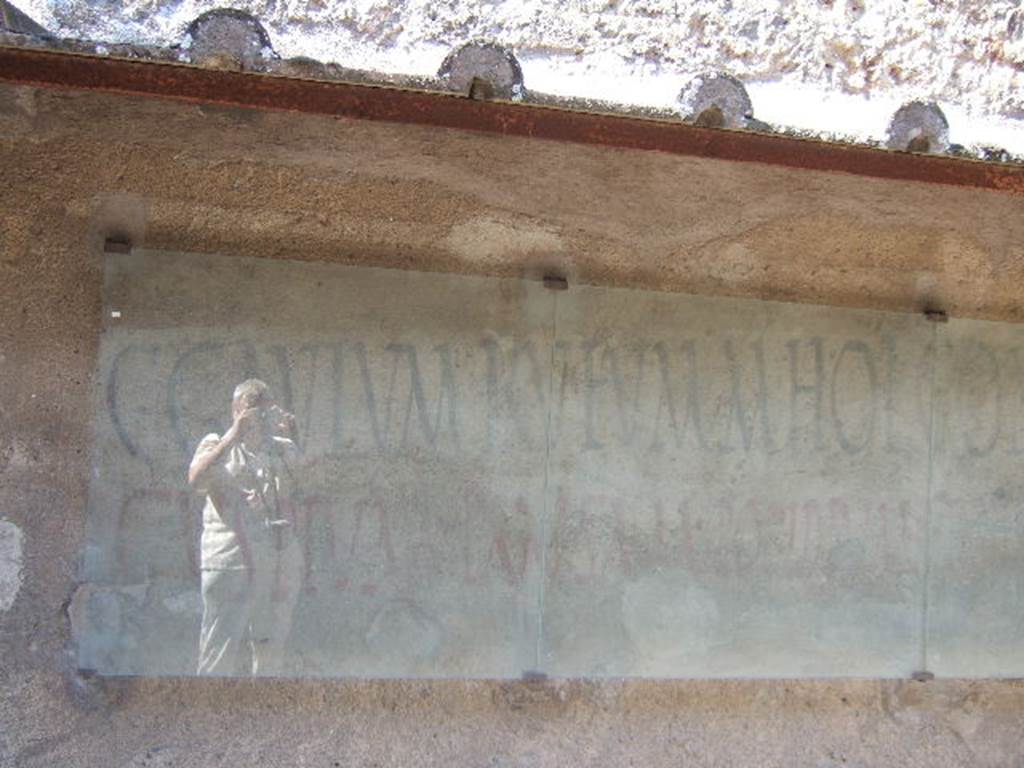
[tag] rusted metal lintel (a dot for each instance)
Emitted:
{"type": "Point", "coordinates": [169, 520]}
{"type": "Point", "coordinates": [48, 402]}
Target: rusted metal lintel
{"type": "Point", "coordinates": [53, 69]}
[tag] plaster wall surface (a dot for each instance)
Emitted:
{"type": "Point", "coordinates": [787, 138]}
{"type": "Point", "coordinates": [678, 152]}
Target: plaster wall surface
{"type": "Point", "coordinates": [78, 168]}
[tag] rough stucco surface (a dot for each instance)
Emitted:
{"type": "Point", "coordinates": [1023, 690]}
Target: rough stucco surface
{"type": "Point", "coordinates": [77, 168]}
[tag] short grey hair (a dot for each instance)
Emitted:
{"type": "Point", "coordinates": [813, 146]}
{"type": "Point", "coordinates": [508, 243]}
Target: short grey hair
{"type": "Point", "coordinates": [249, 387]}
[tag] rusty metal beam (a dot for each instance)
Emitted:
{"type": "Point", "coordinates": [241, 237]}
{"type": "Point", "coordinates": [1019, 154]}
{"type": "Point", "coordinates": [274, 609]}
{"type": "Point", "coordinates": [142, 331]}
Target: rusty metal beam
{"type": "Point", "coordinates": [52, 69]}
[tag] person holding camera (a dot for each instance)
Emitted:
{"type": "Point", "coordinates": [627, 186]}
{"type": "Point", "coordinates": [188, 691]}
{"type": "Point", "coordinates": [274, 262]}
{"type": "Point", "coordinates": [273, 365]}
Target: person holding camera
{"type": "Point", "coordinates": [251, 559]}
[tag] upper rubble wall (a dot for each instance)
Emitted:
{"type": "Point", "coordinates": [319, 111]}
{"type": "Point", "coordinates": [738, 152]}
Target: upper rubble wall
{"type": "Point", "coordinates": [828, 68]}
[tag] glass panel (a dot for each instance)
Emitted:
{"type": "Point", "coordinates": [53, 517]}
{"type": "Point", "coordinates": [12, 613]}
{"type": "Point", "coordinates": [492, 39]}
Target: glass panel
{"type": "Point", "coordinates": [976, 572]}
{"type": "Point", "coordinates": [376, 511]}
{"type": "Point", "coordinates": [314, 470]}
{"type": "Point", "coordinates": [737, 488]}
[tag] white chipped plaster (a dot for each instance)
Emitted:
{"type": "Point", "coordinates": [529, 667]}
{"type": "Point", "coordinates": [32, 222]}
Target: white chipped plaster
{"type": "Point", "coordinates": [832, 67]}
{"type": "Point", "coordinates": [10, 563]}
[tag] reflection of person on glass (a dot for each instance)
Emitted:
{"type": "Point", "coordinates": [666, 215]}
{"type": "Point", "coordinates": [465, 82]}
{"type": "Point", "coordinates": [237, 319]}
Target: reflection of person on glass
{"type": "Point", "coordinates": [251, 559]}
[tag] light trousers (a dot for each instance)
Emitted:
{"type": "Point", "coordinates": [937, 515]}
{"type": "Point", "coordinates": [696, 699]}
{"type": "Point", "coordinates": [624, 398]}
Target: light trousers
{"type": "Point", "coordinates": [247, 614]}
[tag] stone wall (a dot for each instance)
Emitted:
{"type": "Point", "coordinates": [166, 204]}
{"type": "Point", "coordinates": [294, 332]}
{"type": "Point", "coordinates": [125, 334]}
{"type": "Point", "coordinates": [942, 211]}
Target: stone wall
{"type": "Point", "coordinates": [76, 169]}
{"type": "Point", "coordinates": [823, 66]}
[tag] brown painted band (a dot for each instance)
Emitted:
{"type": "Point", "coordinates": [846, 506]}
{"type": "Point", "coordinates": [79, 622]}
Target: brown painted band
{"type": "Point", "coordinates": [52, 69]}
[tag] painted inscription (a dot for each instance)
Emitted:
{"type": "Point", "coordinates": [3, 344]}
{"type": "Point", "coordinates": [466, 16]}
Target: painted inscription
{"type": "Point", "coordinates": [486, 478]}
